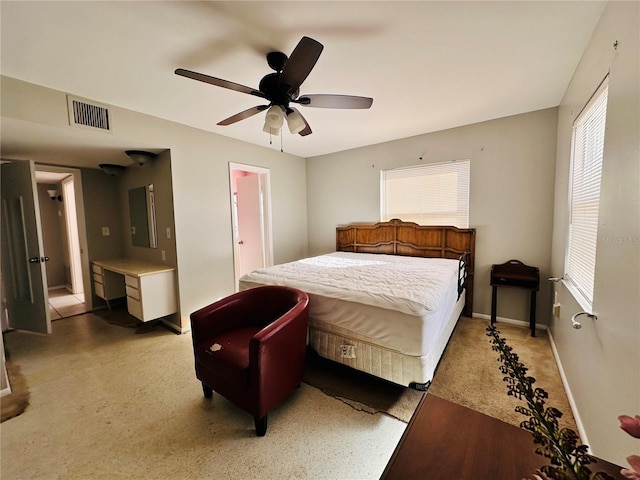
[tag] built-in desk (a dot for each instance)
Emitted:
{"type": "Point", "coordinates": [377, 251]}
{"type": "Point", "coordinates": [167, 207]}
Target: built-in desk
{"type": "Point", "coordinates": [150, 288]}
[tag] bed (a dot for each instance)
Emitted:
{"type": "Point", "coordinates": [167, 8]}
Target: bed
{"type": "Point", "coordinates": [360, 317]}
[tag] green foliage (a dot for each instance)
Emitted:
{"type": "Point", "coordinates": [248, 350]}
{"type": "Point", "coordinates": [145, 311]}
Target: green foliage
{"type": "Point", "coordinates": [567, 457]}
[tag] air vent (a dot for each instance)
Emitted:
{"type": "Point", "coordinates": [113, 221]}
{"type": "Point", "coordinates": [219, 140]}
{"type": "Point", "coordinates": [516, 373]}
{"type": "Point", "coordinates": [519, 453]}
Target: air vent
{"type": "Point", "coordinates": [85, 114]}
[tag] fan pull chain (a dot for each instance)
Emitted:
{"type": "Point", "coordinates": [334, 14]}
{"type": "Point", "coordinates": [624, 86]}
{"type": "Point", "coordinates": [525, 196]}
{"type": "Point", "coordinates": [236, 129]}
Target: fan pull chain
{"type": "Point", "coordinates": [281, 135]}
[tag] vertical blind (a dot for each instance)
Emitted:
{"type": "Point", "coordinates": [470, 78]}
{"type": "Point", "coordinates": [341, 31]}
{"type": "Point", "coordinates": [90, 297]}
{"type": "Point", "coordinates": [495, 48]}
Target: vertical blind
{"type": "Point", "coordinates": [436, 194]}
{"type": "Point", "coordinates": [586, 170]}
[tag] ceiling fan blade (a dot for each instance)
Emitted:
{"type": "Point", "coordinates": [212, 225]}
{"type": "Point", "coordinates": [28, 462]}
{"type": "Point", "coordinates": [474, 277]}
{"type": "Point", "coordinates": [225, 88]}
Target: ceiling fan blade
{"type": "Point", "coordinates": [242, 115]}
{"type": "Point", "coordinates": [334, 101]}
{"type": "Point", "coordinates": [201, 77]}
{"type": "Point", "coordinates": [300, 63]}
{"type": "Point", "coordinates": [307, 129]}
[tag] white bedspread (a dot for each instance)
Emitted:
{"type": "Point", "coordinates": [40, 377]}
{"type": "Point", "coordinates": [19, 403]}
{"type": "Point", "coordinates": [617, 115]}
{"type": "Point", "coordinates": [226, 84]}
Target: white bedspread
{"type": "Point", "coordinates": [412, 285]}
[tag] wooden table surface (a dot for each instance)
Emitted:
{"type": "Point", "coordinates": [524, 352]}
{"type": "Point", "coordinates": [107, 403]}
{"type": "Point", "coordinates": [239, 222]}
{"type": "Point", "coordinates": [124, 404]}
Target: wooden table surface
{"type": "Point", "coordinates": [445, 441]}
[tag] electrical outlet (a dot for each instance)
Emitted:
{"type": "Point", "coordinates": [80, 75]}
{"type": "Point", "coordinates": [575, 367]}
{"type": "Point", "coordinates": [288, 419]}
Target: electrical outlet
{"type": "Point", "coordinates": [556, 310]}
{"type": "Point", "coordinates": [105, 231]}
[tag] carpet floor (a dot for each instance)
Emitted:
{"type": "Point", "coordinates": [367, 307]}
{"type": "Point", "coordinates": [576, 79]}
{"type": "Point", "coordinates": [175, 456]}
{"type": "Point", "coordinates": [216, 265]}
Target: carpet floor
{"type": "Point", "coordinates": [468, 374]}
{"type": "Point", "coordinates": [106, 403]}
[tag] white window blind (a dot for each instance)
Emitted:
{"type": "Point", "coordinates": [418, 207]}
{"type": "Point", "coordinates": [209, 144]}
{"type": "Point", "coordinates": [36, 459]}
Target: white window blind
{"type": "Point", "coordinates": [435, 194]}
{"type": "Point", "coordinates": [586, 170]}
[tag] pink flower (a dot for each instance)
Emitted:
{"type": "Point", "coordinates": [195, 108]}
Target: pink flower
{"type": "Point", "coordinates": [630, 425]}
{"type": "Point", "coordinates": [634, 461]}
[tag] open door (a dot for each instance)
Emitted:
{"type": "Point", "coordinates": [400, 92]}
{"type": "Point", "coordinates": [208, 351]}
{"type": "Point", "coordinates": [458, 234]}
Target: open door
{"type": "Point", "coordinates": [251, 216]}
{"type": "Point", "coordinates": [22, 250]}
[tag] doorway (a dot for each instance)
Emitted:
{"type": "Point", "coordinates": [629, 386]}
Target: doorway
{"type": "Point", "coordinates": [62, 220]}
{"type": "Point", "coordinates": [251, 218]}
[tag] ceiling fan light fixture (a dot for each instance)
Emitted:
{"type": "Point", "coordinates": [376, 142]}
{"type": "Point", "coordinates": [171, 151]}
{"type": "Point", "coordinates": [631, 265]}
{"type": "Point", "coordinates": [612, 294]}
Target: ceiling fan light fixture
{"type": "Point", "coordinates": [268, 129]}
{"type": "Point", "coordinates": [274, 118]}
{"type": "Point", "coordinates": [296, 122]}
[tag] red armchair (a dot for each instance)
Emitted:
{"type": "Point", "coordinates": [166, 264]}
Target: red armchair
{"type": "Point", "coordinates": [250, 348]}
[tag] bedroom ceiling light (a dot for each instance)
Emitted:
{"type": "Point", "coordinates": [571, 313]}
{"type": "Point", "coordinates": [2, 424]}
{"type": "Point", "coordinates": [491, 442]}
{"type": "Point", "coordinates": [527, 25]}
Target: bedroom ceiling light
{"type": "Point", "coordinates": [140, 156]}
{"type": "Point", "coordinates": [111, 169]}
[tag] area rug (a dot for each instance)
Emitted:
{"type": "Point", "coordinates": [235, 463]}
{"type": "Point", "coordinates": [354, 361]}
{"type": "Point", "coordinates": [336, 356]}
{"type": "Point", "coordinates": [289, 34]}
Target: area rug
{"type": "Point", "coordinates": [468, 374]}
{"type": "Point", "coordinates": [16, 402]}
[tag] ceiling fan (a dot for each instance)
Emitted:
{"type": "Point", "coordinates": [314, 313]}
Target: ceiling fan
{"type": "Point", "coordinates": [282, 88]}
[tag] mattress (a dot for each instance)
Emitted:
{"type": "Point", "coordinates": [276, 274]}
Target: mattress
{"type": "Point", "coordinates": [366, 354]}
{"type": "Point", "coordinates": [399, 303]}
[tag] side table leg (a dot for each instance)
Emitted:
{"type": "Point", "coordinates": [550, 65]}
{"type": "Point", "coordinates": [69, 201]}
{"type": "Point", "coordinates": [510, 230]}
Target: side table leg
{"type": "Point", "coordinates": [532, 314]}
{"type": "Point", "coordinates": [494, 299]}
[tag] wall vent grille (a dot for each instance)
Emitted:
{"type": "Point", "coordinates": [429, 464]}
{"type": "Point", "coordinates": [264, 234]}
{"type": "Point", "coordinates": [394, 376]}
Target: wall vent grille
{"type": "Point", "coordinates": [85, 114]}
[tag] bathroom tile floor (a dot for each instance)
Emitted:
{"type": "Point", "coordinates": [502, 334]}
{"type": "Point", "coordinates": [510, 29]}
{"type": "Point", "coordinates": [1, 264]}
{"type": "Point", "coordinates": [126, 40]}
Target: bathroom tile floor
{"type": "Point", "coordinates": [63, 304]}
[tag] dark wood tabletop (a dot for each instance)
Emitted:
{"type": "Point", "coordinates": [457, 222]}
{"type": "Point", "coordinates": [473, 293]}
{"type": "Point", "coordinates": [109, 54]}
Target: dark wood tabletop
{"type": "Point", "coordinates": [445, 441]}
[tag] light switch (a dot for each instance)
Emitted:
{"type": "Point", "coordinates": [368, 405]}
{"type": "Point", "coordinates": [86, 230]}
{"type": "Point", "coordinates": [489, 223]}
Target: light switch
{"type": "Point", "coordinates": [168, 232]}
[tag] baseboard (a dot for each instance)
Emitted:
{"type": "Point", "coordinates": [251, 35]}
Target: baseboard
{"type": "Point", "coordinates": [5, 391]}
{"type": "Point", "coordinates": [567, 389]}
{"type": "Point", "coordinates": [511, 321]}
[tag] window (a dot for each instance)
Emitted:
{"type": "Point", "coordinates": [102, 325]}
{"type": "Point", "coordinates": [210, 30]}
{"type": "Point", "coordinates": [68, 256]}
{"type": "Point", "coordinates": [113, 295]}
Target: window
{"type": "Point", "coordinates": [584, 200]}
{"type": "Point", "coordinates": [435, 194]}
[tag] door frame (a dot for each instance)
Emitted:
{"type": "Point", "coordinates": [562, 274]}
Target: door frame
{"type": "Point", "coordinates": [73, 237]}
{"type": "Point", "coordinates": [81, 223]}
{"type": "Point", "coordinates": [267, 240]}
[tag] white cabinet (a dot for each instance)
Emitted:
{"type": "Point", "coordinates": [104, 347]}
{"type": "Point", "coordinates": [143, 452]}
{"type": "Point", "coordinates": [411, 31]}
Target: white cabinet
{"type": "Point", "coordinates": [150, 288]}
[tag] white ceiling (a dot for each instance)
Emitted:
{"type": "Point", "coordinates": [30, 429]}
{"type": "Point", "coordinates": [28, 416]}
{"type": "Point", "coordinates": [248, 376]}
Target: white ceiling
{"type": "Point", "coordinates": [428, 65]}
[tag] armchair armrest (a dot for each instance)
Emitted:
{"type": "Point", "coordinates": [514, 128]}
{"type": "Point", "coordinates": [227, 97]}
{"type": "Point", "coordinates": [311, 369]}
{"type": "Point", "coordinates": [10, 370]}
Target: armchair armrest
{"type": "Point", "coordinates": [279, 347]}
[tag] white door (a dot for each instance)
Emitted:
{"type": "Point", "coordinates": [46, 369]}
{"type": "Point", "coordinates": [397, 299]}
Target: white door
{"type": "Point", "coordinates": [23, 258]}
{"type": "Point", "coordinates": [250, 224]}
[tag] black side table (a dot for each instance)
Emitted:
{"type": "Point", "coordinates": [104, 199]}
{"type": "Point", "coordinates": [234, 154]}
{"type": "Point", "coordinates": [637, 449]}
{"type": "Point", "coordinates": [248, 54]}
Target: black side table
{"type": "Point", "coordinates": [514, 273]}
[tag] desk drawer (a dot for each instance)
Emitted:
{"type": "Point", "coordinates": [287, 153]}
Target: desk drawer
{"type": "Point", "coordinates": [97, 269]}
{"type": "Point", "coordinates": [135, 308]}
{"type": "Point", "coordinates": [99, 289]}
{"type": "Point", "coordinates": [131, 281]}
{"type": "Point", "coordinates": [133, 292]}
{"type": "Point", "coordinates": [98, 278]}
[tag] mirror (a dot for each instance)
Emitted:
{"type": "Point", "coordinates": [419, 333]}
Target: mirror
{"type": "Point", "coordinates": [142, 214]}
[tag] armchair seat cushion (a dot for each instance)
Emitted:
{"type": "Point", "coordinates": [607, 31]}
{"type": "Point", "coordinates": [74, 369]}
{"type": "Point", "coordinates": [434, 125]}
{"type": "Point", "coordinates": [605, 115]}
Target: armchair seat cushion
{"type": "Point", "coordinates": [227, 354]}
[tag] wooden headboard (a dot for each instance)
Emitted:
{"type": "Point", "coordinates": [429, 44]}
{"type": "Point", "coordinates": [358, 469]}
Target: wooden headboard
{"type": "Point", "coordinates": [396, 237]}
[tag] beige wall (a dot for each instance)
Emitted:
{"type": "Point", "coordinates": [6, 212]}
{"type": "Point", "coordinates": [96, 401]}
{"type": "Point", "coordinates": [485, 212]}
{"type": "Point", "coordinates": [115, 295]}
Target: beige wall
{"type": "Point", "coordinates": [511, 197]}
{"type": "Point", "coordinates": [54, 234]}
{"type": "Point", "coordinates": [602, 360]}
{"type": "Point", "coordinates": [200, 178]}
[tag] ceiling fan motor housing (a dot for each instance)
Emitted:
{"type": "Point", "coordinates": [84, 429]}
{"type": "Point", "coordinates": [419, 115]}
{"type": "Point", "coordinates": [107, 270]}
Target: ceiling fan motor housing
{"type": "Point", "coordinates": [276, 92]}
